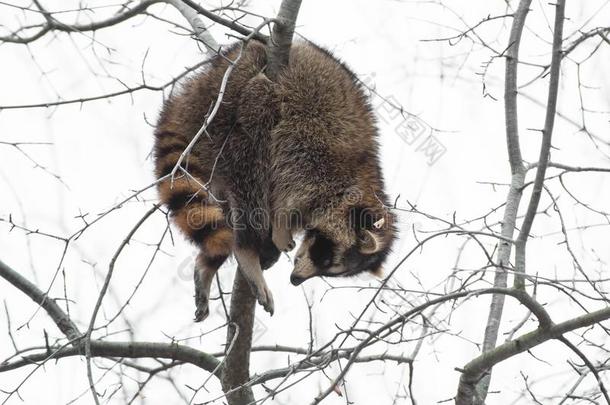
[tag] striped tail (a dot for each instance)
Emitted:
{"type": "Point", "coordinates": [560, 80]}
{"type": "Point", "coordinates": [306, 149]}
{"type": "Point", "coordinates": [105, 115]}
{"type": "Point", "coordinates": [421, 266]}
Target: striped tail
{"type": "Point", "coordinates": [199, 218]}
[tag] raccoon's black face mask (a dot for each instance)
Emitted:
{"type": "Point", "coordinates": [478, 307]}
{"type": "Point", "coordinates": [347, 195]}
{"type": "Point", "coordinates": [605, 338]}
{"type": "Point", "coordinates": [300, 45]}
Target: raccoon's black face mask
{"type": "Point", "coordinates": [320, 255]}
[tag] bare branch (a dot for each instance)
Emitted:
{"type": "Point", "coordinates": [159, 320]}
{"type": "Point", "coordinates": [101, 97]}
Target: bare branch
{"type": "Point", "coordinates": [227, 23]}
{"type": "Point", "coordinates": [589, 365]}
{"type": "Point", "coordinates": [133, 350]}
{"type": "Point", "coordinates": [200, 29]}
{"type": "Point", "coordinates": [98, 348]}
{"type": "Point", "coordinates": [517, 180]}
{"type": "Point", "coordinates": [236, 369]}
{"type": "Point", "coordinates": [278, 49]}
{"type": "Point", "coordinates": [598, 31]}
{"type": "Point", "coordinates": [52, 24]}
{"type": "Point", "coordinates": [101, 295]}
{"type": "Point", "coordinates": [63, 322]}
{"type": "Point", "coordinates": [545, 323]}
{"type": "Point", "coordinates": [186, 152]}
{"type": "Point", "coordinates": [473, 371]}
{"type": "Point", "coordinates": [107, 96]}
{"type": "Point", "coordinates": [545, 147]}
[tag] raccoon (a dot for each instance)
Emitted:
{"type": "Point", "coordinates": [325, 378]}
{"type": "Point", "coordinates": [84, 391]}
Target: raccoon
{"type": "Point", "coordinates": [297, 155]}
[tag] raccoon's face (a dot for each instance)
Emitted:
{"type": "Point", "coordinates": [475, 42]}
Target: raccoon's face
{"type": "Point", "coordinates": [365, 250]}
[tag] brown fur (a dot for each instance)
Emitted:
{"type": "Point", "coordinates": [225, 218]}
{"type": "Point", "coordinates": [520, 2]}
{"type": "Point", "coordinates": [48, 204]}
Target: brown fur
{"type": "Point", "coordinates": [305, 144]}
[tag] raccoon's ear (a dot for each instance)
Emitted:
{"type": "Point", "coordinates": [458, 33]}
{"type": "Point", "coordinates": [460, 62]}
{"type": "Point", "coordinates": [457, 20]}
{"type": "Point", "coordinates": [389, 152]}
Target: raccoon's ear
{"type": "Point", "coordinates": [367, 225]}
{"type": "Point", "coordinates": [370, 242]}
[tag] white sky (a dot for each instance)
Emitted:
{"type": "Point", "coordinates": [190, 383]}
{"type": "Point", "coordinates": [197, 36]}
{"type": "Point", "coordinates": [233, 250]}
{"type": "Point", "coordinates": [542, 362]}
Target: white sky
{"type": "Point", "coordinates": [101, 152]}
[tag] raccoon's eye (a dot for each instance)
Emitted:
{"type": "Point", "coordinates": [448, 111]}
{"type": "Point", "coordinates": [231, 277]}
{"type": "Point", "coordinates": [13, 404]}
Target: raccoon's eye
{"type": "Point", "coordinates": [321, 251]}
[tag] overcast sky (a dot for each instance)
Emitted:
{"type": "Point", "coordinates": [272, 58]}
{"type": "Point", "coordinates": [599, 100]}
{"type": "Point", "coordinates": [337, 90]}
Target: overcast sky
{"type": "Point", "coordinates": [100, 153]}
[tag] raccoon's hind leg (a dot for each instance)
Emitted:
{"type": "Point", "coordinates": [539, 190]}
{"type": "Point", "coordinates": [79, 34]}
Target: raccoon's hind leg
{"type": "Point", "coordinates": [204, 224]}
{"type": "Point", "coordinates": [205, 270]}
{"type": "Point", "coordinates": [249, 151]}
{"type": "Point", "coordinates": [249, 264]}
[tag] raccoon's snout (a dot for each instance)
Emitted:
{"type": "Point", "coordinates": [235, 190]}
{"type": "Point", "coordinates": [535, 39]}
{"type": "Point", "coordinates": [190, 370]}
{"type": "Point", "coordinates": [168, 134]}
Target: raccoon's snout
{"type": "Point", "coordinates": [303, 270]}
{"type": "Point", "coordinates": [296, 280]}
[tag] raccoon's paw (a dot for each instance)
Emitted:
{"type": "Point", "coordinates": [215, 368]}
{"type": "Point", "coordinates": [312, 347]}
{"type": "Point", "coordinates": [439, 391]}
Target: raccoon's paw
{"type": "Point", "coordinates": [268, 254]}
{"type": "Point", "coordinates": [202, 305]}
{"type": "Point", "coordinates": [265, 298]}
{"type": "Point", "coordinates": [282, 239]}
{"type": "Point", "coordinates": [202, 311]}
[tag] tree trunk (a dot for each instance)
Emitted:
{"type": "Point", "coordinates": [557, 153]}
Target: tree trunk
{"type": "Point", "coordinates": [236, 369]}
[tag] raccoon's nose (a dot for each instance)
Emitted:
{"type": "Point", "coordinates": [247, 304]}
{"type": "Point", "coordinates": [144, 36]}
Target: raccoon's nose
{"type": "Point", "coordinates": [296, 280]}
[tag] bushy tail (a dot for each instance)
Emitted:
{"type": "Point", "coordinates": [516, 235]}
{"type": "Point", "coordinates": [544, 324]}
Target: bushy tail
{"type": "Point", "coordinates": [198, 217]}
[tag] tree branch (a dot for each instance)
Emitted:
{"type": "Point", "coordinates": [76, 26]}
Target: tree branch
{"type": "Point", "coordinates": [545, 147]}
{"type": "Point", "coordinates": [200, 29]}
{"type": "Point", "coordinates": [227, 23]}
{"type": "Point", "coordinates": [100, 298]}
{"type": "Point", "coordinates": [236, 368]}
{"type": "Point", "coordinates": [63, 322]}
{"type": "Point", "coordinates": [52, 24]}
{"type": "Point", "coordinates": [134, 350]}
{"type": "Point", "coordinates": [99, 348]}
{"type": "Point", "coordinates": [544, 321]}
{"type": "Point", "coordinates": [474, 370]}
{"type": "Point", "coordinates": [513, 198]}
{"type": "Point", "coordinates": [106, 96]}
{"type": "Point", "coordinates": [278, 48]}
{"type": "Point", "coordinates": [589, 365]}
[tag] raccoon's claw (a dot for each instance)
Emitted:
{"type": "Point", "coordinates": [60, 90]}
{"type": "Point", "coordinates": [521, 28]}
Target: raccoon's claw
{"type": "Point", "coordinates": [291, 244]}
{"type": "Point", "coordinates": [202, 304]}
{"type": "Point", "coordinates": [265, 298]}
